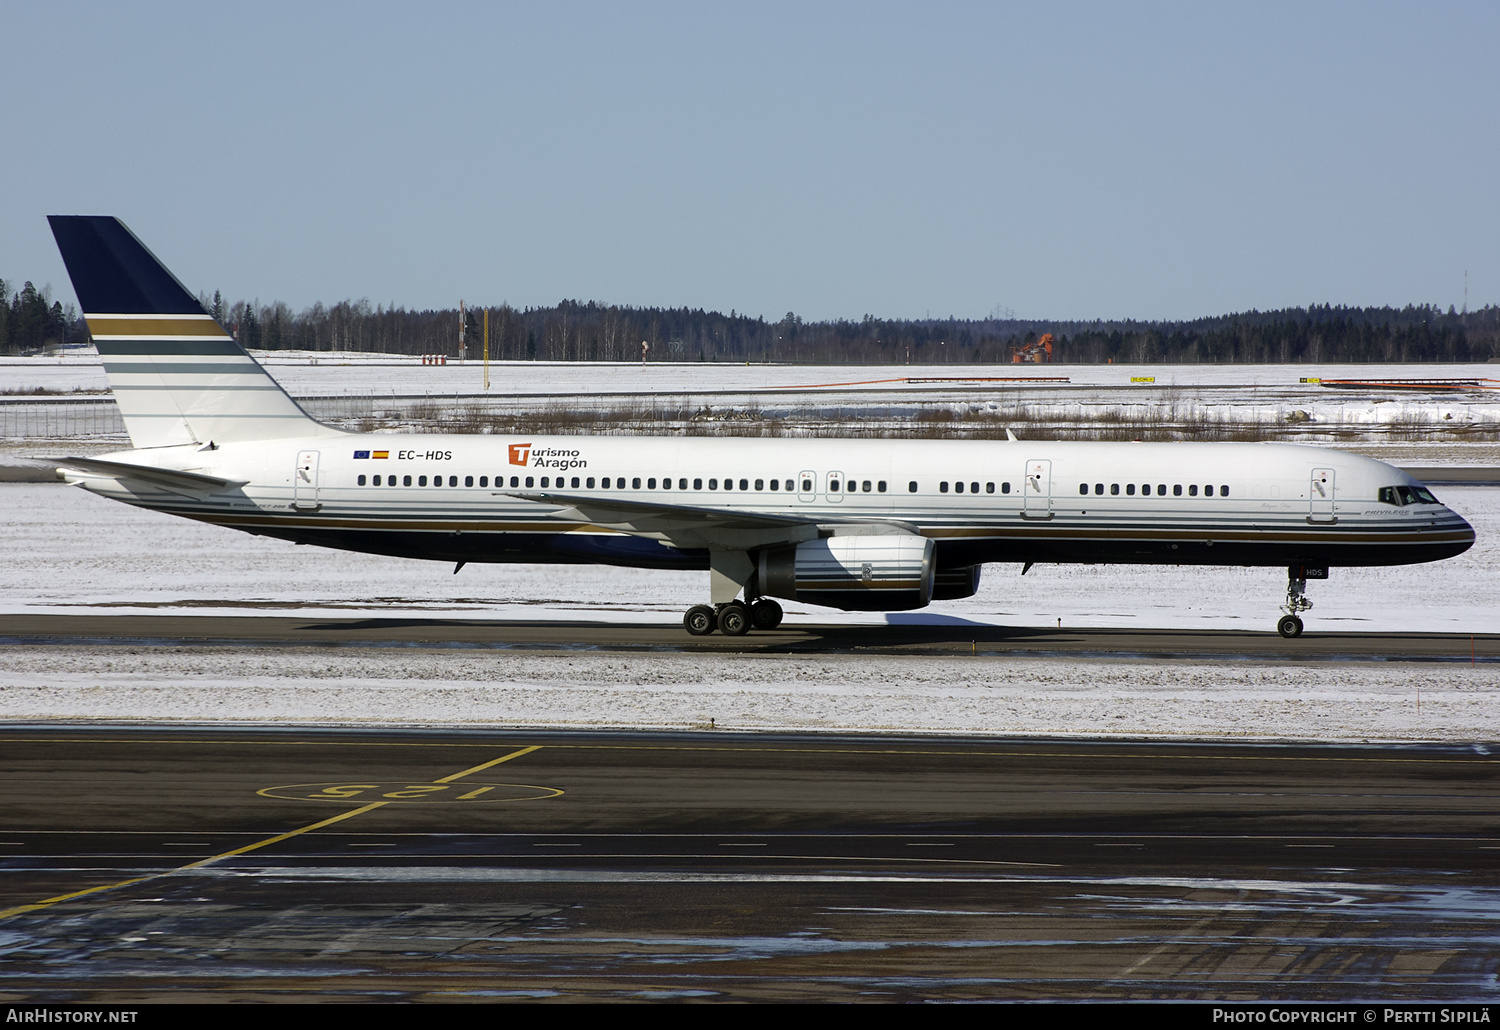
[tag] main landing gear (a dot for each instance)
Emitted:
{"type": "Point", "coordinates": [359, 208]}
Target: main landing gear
{"type": "Point", "coordinates": [1296, 599]}
{"type": "Point", "coordinates": [733, 619]}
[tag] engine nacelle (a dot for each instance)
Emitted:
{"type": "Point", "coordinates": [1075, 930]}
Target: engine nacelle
{"type": "Point", "coordinates": [951, 584]}
{"type": "Point", "coordinates": [856, 573]}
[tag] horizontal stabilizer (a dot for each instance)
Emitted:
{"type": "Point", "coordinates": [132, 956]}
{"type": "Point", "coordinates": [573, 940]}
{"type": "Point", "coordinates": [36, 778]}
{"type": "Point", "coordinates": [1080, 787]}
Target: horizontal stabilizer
{"type": "Point", "coordinates": [172, 478]}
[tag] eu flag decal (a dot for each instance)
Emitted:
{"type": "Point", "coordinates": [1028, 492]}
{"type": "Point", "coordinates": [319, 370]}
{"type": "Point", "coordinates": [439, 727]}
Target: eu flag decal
{"type": "Point", "coordinates": [361, 454]}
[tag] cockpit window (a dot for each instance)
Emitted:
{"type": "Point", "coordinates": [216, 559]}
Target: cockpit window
{"type": "Point", "coordinates": [1403, 495]}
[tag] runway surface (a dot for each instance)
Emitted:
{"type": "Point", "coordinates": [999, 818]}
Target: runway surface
{"type": "Point", "coordinates": [932, 637]}
{"type": "Point", "coordinates": [195, 864]}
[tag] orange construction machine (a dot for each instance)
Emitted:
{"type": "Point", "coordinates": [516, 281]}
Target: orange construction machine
{"type": "Point", "coordinates": [1034, 353]}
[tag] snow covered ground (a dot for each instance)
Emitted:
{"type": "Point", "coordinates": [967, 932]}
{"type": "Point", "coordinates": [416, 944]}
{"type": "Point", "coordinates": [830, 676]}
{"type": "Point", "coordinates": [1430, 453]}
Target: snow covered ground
{"type": "Point", "coordinates": [846, 693]}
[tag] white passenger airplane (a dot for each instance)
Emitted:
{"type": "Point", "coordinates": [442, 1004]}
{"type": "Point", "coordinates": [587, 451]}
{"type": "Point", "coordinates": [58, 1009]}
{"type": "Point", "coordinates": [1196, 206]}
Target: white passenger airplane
{"type": "Point", "coordinates": [867, 525]}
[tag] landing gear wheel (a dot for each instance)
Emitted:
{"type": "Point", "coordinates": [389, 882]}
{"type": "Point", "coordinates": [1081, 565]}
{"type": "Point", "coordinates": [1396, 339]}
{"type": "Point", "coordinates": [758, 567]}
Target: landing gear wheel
{"type": "Point", "coordinates": [699, 620]}
{"type": "Point", "coordinates": [765, 614]}
{"type": "Point", "coordinates": [734, 621]}
{"type": "Point", "coordinates": [1289, 626]}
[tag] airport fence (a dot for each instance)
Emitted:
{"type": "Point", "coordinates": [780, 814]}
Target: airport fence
{"type": "Point", "coordinates": [59, 418]}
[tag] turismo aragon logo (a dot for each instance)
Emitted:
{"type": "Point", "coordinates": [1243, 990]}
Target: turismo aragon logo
{"type": "Point", "coordinates": [519, 453]}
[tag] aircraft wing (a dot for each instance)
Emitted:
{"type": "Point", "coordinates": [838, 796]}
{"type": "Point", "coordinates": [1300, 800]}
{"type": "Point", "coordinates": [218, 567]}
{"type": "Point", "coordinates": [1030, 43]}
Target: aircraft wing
{"type": "Point", "coordinates": [691, 525]}
{"type": "Point", "coordinates": [172, 479]}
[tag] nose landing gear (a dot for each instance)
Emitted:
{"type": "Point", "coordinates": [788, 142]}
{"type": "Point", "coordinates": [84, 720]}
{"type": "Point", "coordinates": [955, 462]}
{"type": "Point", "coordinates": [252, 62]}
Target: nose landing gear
{"type": "Point", "coordinates": [1297, 601]}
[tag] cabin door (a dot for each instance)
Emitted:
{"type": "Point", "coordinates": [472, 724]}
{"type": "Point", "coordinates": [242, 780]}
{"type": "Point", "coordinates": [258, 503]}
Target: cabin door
{"type": "Point", "coordinates": [1320, 491]}
{"type": "Point", "coordinates": [1036, 490]}
{"type": "Point", "coordinates": [305, 481]}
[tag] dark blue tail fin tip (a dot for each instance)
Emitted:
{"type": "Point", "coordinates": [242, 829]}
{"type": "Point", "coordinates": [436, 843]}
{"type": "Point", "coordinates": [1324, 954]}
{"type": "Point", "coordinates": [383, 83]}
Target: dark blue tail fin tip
{"type": "Point", "coordinates": [113, 272]}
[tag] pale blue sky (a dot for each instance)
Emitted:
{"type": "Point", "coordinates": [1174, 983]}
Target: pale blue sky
{"type": "Point", "coordinates": [1061, 160]}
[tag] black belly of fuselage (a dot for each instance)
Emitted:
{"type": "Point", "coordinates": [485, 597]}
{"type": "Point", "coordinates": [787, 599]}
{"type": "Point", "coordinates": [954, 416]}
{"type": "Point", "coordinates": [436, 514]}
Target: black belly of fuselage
{"type": "Point", "coordinates": [1327, 545]}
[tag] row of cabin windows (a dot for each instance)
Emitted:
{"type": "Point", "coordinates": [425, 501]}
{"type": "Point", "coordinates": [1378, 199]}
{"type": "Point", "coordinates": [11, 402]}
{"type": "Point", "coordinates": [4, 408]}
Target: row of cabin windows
{"type": "Point", "coordinates": [618, 483]}
{"type": "Point", "coordinates": [1161, 489]}
{"type": "Point", "coordinates": [958, 488]}
{"type": "Point", "coordinates": [849, 486]}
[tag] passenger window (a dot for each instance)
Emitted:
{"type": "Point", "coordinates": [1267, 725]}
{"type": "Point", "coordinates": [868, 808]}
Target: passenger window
{"type": "Point", "coordinates": [807, 486]}
{"type": "Point", "coordinates": [406, 480]}
{"type": "Point", "coordinates": [1114, 489]}
{"type": "Point", "coordinates": [744, 484]}
{"type": "Point", "coordinates": [1223, 491]}
{"type": "Point", "coordinates": [1176, 489]}
{"type": "Point", "coordinates": [530, 482]}
{"type": "Point", "coordinates": [650, 483]}
{"type": "Point", "coordinates": [942, 488]}
{"type": "Point", "coordinates": [377, 480]}
{"type": "Point", "coordinates": [361, 481]}
{"type": "Point", "coordinates": [514, 482]}
{"type": "Point", "coordinates": [1130, 489]}
{"type": "Point", "coordinates": [833, 486]}
{"type": "Point", "coordinates": [989, 488]}
{"type": "Point", "coordinates": [1192, 489]}
{"type": "Point", "coordinates": [880, 486]}
{"type": "Point", "coordinates": [697, 484]}
{"type": "Point", "coordinates": [775, 484]}
{"type": "Point", "coordinates": [1098, 488]}
{"type": "Point", "coordinates": [713, 484]}
{"type": "Point", "coordinates": [760, 484]}
{"type": "Point", "coordinates": [1083, 488]}
{"type": "Point", "coordinates": [390, 480]}
{"type": "Point", "coordinates": [589, 483]}
{"type": "Point", "coordinates": [575, 482]}
{"type": "Point", "coordinates": [421, 480]}
{"type": "Point", "coordinates": [1161, 489]}
{"type": "Point", "coordinates": [635, 484]}
{"type": "Point", "coordinates": [958, 488]}
{"type": "Point", "coordinates": [973, 488]}
{"type": "Point", "coordinates": [789, 486]}
{"type": "Point", "coordinates": [911, 487]}
{"type": "Point", "coordinates": [544, 482]}
{"type": "Point", "coordinates": [1005, 488]}
{"type": "Point", "coordinates": [682, 484]}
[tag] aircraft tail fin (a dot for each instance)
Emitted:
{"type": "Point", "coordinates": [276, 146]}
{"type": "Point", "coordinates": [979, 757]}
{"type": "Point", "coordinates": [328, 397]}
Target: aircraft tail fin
{"type": "Point", "coordinates": [177, 376]}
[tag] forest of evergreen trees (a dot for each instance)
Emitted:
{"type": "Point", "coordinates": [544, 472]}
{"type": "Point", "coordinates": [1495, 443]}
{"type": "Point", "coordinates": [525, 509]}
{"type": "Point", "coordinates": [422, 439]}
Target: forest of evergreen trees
{"type": "Point", "coordinates": [576, 331]}
{"type": "Point", "coordinates": [30, 322]}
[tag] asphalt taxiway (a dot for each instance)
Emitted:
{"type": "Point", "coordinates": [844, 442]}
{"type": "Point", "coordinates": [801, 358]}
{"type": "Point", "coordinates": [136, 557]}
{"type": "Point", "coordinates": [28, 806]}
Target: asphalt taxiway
{"type": "Point", "coordinates": [199, 864]}
{"type": "Point", "coordinates": [930, 637]}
